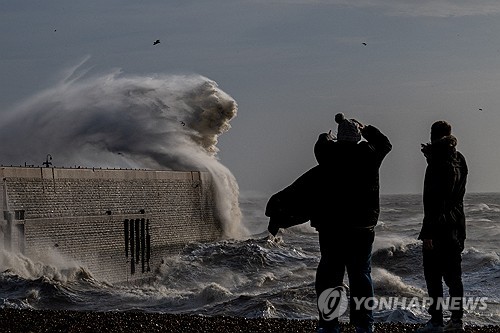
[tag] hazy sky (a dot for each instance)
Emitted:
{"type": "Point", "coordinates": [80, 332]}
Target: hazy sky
{"type": "Point", "coordinates": [290, 65]}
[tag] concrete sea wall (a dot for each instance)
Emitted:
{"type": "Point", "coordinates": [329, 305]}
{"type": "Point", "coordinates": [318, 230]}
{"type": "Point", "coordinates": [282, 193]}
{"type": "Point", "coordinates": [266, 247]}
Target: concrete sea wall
{"type": "Point", "coordinates": [117, 223]}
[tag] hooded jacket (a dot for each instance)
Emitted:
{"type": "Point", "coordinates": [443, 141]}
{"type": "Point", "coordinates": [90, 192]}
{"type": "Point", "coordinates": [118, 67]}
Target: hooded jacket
{"type": "Point", "coordinates": [444, 190]}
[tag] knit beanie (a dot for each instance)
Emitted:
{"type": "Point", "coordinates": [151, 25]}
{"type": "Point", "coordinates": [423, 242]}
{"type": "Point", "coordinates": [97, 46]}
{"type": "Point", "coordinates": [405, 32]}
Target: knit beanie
{"type": "Point", "coordinates": [347, 130]}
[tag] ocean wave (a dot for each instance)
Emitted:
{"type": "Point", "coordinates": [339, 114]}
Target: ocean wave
{"type": "Point", "coordinates": [242, 306]}
{"type": "Point", "coordinates": [49, 265]}
{"type": "Point", "coordinates": [474, 259]}
{"type": "Point", "coordinates": [45, 292]}
{"type": "Point", "coordinates": [405, 259]}
{"type": "Point", "coordinates": [389, 284]}
{"type": "Point", "coordinates": [213, 293]}
{"type": "Point", "coordinates": [482, 207]}
{"type": "Point", "coordinates": [400, 258]}
{"type": "Point", "coordinates": [251, 253]}
{"type": "Point", "coordinates": [298, 302]}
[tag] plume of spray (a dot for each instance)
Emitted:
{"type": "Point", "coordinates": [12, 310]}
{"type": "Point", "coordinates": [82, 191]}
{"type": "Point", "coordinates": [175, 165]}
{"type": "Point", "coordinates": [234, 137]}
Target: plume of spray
{"type": "Point", "coordinates": [49, 264]}
{"type": "Point", "coordinates": [169, 122]}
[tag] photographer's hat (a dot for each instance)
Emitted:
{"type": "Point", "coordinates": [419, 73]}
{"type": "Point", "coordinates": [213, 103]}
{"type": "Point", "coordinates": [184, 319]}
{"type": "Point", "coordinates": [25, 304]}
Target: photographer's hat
{"type": "Point", "coordinates": [348, 130]}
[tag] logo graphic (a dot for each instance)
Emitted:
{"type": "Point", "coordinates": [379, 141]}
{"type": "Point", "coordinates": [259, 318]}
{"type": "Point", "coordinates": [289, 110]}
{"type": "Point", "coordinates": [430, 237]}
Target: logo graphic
{"type": "Point", "coordinates": [332, 303]}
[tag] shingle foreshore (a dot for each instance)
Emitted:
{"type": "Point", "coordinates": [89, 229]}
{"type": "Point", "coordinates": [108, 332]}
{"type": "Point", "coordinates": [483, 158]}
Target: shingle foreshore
{"type": "Point", "coordinates": [38, 321]}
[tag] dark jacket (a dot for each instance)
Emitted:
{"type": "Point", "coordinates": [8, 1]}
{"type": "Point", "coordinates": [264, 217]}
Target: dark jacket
{"type": "Point", "coordinates": [296, 203]}
{"type": "Point", "coordinates": [341, 192]}
{"type": "Point", "coordinates": [351, 175]}
{"type": "Point", "coordinates": [444, 190]}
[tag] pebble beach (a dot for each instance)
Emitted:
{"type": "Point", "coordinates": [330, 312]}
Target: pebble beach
{"type": "Point", "coordinates": [38, 321]}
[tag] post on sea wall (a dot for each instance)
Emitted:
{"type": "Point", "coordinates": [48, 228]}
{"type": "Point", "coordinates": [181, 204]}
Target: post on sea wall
{"type": "Point", "coordinates": [6, 222]}
{"type": "Point", "coordinates": [12, 237]}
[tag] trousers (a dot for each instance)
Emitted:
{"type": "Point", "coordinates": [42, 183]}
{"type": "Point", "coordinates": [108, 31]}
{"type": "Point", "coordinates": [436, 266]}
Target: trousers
{"type": "Point", "coordinates": [444, 262]}
{"type": "Point", "coordinates": [349, 250]}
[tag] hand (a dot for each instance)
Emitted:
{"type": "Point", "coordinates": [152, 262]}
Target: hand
{"type": "Point", "coordinates": [360, 125]}
{"type": "Point", "coordinates": [426, 148]}
{"type": "Point", "coordinates": [428, 244]}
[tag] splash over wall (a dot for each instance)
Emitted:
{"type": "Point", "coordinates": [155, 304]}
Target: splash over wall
{"type": "Point", "coordinates": [161, 122]}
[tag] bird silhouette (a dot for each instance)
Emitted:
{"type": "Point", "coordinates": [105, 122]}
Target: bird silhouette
{"type": "Point", "coordinates": [156, 42]}
{"type": "Point", "coordinates": [364, 44]}
{"type": "Point", "coordinates": [183, 123]}
{"type": "Point", "coordinates": [480, 109]}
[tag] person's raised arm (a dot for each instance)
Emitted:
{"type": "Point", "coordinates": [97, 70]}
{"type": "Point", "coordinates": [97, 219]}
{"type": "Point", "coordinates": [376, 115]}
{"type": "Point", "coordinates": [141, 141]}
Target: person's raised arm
{"type": "Point", "coordinates": [379, 143]}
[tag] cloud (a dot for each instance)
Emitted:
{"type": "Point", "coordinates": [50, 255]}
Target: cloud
{"type": "Point", "coordinates": [426, 8]}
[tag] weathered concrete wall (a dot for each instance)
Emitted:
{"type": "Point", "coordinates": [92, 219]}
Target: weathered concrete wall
{"type": "Point", "coordinates": [115, 222]}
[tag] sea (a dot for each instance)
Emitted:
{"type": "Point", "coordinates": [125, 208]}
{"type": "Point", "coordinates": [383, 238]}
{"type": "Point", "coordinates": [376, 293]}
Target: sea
{"type": "Point", "coordinates": [273, 277]}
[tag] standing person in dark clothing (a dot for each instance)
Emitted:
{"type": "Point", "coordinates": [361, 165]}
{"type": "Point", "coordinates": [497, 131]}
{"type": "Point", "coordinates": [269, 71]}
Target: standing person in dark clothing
{"type": "Point", "coordinates": [443, 229]}
{"type": "Point", "coordinates": [345, 215]}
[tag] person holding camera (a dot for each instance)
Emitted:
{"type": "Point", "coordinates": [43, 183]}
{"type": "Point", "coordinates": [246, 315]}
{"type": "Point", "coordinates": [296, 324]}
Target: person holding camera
{"type": "Point", "coordinates": [346, 214]}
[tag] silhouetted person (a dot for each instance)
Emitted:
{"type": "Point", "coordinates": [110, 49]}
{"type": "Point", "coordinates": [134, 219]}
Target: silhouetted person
{"type": "Point", "coordinates": [347, 213]}
{"type": "Point", "coordinates": [443, 228]}
{"type": "Point", "coordinates": [340, 196]}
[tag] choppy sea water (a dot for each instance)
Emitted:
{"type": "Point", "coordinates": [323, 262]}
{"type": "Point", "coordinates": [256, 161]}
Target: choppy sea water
{"type": "Point", "coordinates": [263, 277]}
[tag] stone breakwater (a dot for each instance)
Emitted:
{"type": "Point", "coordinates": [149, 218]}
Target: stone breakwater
{"type": "Point", "coordinates": [119, 224]}
{"type": "Point", "coordinates": [33, 321]}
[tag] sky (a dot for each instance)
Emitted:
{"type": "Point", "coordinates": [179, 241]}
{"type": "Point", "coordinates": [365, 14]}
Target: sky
{"type": "Point", "coordinates": [291, 65]}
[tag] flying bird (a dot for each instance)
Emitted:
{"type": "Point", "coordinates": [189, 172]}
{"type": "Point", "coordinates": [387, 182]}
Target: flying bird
{"type": "Point", "coordinates": [156, 42]}
{"type": "Point", "coordinates": [364, 44]}
{"type": "Point", "coordinates": [480, 109]}
{"type": "Point", "coordinates": [183, 123]}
